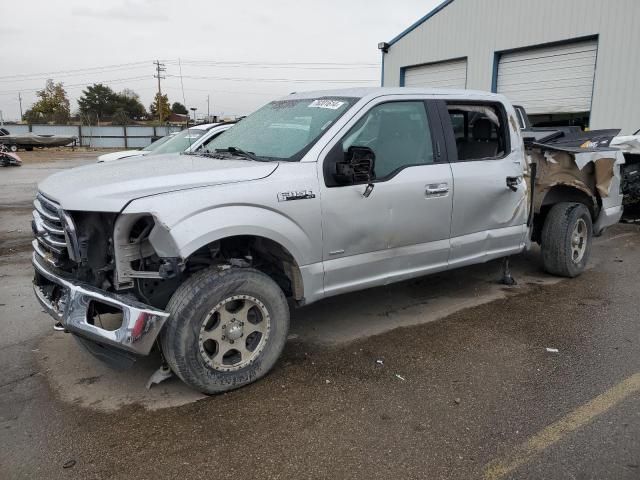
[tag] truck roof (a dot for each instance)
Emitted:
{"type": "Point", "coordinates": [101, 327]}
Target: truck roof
{"type": "Point", "coordinates": [372, 92]}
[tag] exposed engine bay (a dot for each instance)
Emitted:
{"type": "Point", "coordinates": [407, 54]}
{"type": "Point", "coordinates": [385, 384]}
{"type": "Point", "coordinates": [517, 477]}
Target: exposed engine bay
{"type": "Point", "coordinates": [115, 254]}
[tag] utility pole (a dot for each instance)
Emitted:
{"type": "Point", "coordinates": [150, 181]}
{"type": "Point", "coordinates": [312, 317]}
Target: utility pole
{"type": "Point", "coordinates": [20, 101]}
{"type": "Point", "coordinates": [208, 113]}
{"type": "Point", "coordinates": [159, 69]}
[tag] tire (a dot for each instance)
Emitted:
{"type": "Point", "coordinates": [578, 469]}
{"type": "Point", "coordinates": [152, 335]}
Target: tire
{"type": "Point", "coordinates": [566, 239]}
{"type": "Point", "coordinates": [13, 148]}
{"type": "Point", "coordinates": [208, 305]}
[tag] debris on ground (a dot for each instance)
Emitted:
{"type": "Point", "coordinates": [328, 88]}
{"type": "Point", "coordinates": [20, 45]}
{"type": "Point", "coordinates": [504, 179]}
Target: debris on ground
{"type": "Point", "coordinates": [553, 350]}
{"type": "Point", "coordinates": [401, 377]}
{"type": "Point", "coordinates": [68, 464]}
{"type": "Point", "coordinates": [159, 375]}
{"type": "Point", "coordinates": [457, 401]}
{"type": "Point", "coordinates": [380, 362]}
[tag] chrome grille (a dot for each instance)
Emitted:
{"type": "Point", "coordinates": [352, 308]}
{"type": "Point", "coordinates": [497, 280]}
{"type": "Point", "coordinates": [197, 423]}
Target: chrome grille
{"type": "Point", "coordinates": [50, 240]}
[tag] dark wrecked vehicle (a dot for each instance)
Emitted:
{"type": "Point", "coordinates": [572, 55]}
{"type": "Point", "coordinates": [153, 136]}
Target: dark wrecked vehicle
{"type": "Point", "coordinates": [630, 146]}
{"type": "Point", "coordinates": [8, 158]}
{"type": "Point", "coordinates": [313, 195]}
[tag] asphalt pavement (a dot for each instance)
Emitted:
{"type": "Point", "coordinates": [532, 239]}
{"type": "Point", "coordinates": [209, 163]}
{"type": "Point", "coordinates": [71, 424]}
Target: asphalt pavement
{"type": "Point", "coordinates": [451, 376]}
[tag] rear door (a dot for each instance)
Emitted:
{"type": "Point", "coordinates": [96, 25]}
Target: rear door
{"type": "Point", "coordinates": [401, 229]}
{"type": "Point", "coordinates": [490, 205]}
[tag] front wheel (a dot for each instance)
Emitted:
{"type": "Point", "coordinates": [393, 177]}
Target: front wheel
{"type": "Point", "coordinates": [226, 329]}
{"type": "Point", "coordinates": [566, 239]}
{"type": "Point", "coordinates": [13, 148]}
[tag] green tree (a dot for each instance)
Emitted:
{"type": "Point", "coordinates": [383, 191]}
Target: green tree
{"type": "Point", "coordinates": [101, 102]}
{"type": "Point", "coordinates": [98, 101]}
{"type": "Point", "coordinates": [128, 102]}
{"type": "Point", "coordinates": [178, 107]}
{"type": "Point", "coordinates": [160, 107]}
{"type": "Point", "coordinates": [52, 106]}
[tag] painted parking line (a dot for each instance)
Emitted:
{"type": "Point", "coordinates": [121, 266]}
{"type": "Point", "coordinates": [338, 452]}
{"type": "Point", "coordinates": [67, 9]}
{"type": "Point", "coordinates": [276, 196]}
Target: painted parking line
{"type": "Point", "coordinates": [555, 432]}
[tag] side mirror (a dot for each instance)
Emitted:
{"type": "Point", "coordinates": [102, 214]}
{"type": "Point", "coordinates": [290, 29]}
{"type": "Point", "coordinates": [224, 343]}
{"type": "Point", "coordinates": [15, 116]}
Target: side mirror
{"type": "Point", "coordinates": [358, 166]}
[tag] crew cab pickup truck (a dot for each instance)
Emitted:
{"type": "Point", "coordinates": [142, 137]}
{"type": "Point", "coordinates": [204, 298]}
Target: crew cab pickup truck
{"type": "Point", "coordinates": [313, 195]}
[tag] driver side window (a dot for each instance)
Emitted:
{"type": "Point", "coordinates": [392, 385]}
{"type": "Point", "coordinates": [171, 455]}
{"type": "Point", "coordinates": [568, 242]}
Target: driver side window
{"type": "Point", "coordinates": [397, 132]}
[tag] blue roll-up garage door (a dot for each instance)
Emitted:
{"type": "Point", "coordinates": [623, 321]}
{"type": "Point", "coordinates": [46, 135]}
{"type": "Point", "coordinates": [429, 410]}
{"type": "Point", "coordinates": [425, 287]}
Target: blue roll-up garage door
{"type": "Point", "coordinates": [556, 79]}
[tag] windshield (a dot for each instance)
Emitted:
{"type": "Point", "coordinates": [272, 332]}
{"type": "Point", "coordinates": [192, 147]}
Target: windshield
{"type": "Point", "coordinates": [157, 143]}
{"type": "Point", "coordinates": [180, 141]}
{"type": "Point", "coordinates": [282, 130]}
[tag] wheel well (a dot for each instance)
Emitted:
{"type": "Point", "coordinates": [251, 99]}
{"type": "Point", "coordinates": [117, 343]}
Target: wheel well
{"type": "Point", "coordinates": [563, 193]}
{"type": "Point", "coordinates": [257, 252]}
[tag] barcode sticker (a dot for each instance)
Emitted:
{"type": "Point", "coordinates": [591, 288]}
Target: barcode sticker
{"type": "Point", "coordinates": [330, 104]}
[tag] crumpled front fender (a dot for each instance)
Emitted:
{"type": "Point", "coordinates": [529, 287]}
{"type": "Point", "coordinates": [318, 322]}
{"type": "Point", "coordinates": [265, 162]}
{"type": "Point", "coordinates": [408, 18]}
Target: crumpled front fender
{"type": "Point", "coordinates": [208, 226]}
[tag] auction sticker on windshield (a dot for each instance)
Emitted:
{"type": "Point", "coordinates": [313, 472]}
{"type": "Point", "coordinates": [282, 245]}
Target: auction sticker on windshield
{"type": "Point", "coordinates": [331, 104]}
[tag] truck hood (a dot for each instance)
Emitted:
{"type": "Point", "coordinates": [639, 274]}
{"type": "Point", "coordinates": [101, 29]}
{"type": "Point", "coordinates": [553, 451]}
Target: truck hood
{"type": "Point", "coordinates": [109, 186]}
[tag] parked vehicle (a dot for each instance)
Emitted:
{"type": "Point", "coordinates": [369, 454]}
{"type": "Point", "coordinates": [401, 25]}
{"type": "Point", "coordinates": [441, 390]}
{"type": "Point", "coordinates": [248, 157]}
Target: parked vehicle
{"type": "Point", "coordinates": [185, 140]}
{"type": "Point", "coordinates": [30, 140]}
{"type": "Point", "coordinates": [313, 195]}
{"type": "Point", "coordinates": [8, 158]}
{"type": "Point", "coordinates": [630, 146]}
{"type": "Point", "coordinates": [212, 133]}
{"type": "Point", "coordinates": [189, 138]}
{"type": "Point", "coordinates": [109, 157]}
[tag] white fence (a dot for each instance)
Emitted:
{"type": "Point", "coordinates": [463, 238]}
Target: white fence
{"type": "Point", "coordinates": [129, 136]}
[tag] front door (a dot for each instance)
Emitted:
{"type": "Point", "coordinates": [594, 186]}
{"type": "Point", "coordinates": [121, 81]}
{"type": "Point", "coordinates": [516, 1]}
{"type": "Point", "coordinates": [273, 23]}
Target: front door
{"type": "Point", "coordinates": [401, 229]}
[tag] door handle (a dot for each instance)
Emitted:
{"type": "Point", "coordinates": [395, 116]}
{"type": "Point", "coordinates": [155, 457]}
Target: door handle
{"type": "Point", "coordinates": [513, 182]}
{"type": "Point", "coordinates": [437, 190]}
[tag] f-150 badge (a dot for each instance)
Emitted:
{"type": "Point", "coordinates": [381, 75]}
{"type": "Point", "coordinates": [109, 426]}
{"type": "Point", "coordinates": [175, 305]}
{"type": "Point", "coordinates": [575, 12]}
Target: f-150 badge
{"type": "Point", "coordinates": [295, 195]}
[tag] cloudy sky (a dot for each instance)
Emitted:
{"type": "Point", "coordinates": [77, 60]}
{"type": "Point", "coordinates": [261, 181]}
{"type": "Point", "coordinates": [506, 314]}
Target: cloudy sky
{"type": "Point", "coordinates": [242, 53]}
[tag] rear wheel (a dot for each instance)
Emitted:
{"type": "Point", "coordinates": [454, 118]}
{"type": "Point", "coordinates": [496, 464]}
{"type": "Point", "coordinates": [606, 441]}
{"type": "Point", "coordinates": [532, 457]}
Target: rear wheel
{"type": "Point", "coordinates": [226, 329]}
{"type": "Point", "coordinates": [13, 148]}
{"type": "Point", "coordinates": [566, 239]}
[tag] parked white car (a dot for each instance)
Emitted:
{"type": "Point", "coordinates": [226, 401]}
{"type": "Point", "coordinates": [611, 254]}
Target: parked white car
{"type": "Point", "coordinates": [109, 157]}
{"type": "Point", "coordinates": [204, 140]}
{"type": "Point", "coordinates": [188, 140]}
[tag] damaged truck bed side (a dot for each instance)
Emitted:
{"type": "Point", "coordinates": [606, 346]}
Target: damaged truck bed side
{"type": "Point", "coordinates": [579, 167]}
{"type": "Point", "coordinates": [316, 194]}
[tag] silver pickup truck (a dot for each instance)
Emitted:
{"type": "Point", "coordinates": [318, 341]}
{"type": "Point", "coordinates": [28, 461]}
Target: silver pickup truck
{"type": "Point", "coordinates": [313, 195]}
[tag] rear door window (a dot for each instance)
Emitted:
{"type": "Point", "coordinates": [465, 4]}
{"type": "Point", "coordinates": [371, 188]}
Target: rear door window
{"type": "Point", "coordinates": [480, 130]}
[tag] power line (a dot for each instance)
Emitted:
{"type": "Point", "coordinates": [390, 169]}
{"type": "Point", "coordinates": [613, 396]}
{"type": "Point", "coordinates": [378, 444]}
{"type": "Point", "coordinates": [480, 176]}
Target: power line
{"type": "Point", "coordinates": [61, 72]}
{"type": "Point", "coordinates": [282, 67]}
{"type": "Point", "coordinates": [121, 66]}
{"type": "Point", "coordinates": [78, 85]}
{"type": "Point", "coordinates": [249, 63]}
{"type": "Point", "coordinates": [79, 74]}
{"type": "Point", "coordinates": [289, 80]}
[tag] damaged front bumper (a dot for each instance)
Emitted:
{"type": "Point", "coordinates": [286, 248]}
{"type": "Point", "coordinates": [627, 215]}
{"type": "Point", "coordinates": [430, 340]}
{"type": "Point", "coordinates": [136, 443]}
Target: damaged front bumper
{"type": "Point", "coordinates": [70, 302]}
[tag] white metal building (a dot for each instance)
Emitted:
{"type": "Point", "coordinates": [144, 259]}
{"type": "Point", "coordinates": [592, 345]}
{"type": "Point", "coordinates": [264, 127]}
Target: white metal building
{"type": "Point", "coordinates": [565, 61]}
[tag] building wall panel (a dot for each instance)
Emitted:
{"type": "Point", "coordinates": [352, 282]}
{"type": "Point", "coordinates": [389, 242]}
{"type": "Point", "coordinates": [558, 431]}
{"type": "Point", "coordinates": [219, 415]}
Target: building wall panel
{"type": "Point", "coordinates": [477, 29]}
